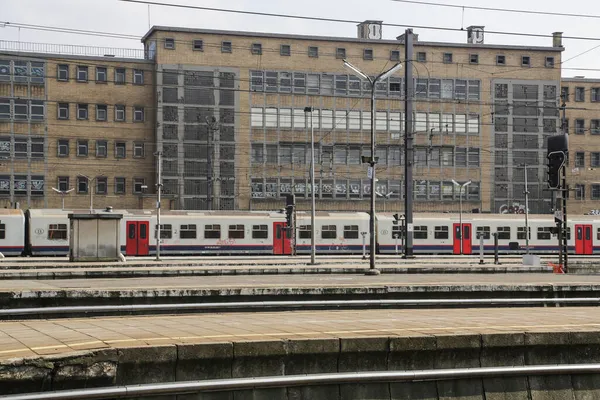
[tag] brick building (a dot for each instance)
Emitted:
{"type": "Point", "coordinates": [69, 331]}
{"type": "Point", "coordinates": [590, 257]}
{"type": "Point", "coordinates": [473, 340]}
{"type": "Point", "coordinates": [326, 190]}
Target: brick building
{"type": "Point", "coordinates": [233, 132]}
{"type": "Point", "coordinates": [81, 123]}
{"type": "Point", "coordinates": [582, 100]}
{"type": "Point", "coordinates": [226, 109]}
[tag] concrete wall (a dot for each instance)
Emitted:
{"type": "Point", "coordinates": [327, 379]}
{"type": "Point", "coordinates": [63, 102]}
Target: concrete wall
{"type": "Point", "coordinates": [184, 362]}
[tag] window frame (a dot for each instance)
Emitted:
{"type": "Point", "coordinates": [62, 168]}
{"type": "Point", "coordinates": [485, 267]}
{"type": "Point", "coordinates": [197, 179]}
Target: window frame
{"type": "Point", "coordinates": [226, 46]}
{"type": "Point", "coordinates": [138, 76]}
{"type": "Point", "coordinates": [368, 54]}
{"type": "Point", "coordinates": [394, 55]}
{"type": "Point", "coordinates": [60, 107]}
{"type": "Point", "coordinates": [525, 61]}
{"type": "Point", "coordinates": [256, 49]}
{"type": "Point", "coordinates": [62, 68]}
{"type": "Point", "coordinates": [99, 145]}
{"type": "Point", "coordinates": [137, 146]}
{"type": "Point", "coordinates": [169, 43]}
{"type": "Point", "coordinates": [579, 90]}
{"type": "Point", "coordinates": [61, 229]}
{"type": "Point", "coordinates": [99, 180]}
{"type": "Point", "coordinates": [260, 233]}
{"type": "Point", "coordinates": [137, 185]}
{"type": "Point", "coordinates": [120, 76]}
{"type": "Point", "coordinates": [501, 59]}
{"type": "Point", "coordinates": [285, 50]}
{"type": "Point", "coordinates": [474, 59]}
{"type": "Point", "coordinates": [421, 57]}
{"type": "Point", "coordinates": [441, 232]}
{"type": "Point", "coordinates": [236, 231]}
{"type": "Point", "coordinates": [331, 233]}
{"type": "Point", "coordinates": [120, 108]}
{"type": "Point", "coordinates": [62, 143]}
{"type": "Point", "coordinates": [447, 58]}
{"type": "Point", "coordinates": [195, 46]}
{"type": "Point", "coordinates": [82, 69]}
{"type": "Point", "coordinates": [119, 180]}
{"type": "Point", "coordinates": [313, 51]}
{"type": "Point", "coordinates": [137, 111]}
{"type": "Point", "coordinates": [104, 70]}
{"type": "Point", "coordinates": [81, 107]}
{"type": "Point", "coordinates": [120, 144]}
{"type": "Point", "coordinates": [83, 144]}
{"type": "Point", "coordinates": [340, 53]}
{"type": "Point", "coordinates": [83, 180]}
{"type": "Point", "coordinates": [62, 181]}
{"type": "Point", "coordinates": [502, 231]}
{"type": "Point", "coordinates": [99, 108]}
{"type": "Point", "coordinates": [351, 232]}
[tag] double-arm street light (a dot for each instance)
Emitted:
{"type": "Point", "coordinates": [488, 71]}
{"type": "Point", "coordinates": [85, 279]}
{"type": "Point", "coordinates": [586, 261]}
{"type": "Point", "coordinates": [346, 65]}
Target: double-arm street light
{"type": "Point", "coordinates": [372, 160]}
{"type": "Point", "coordinates": [461, 187]}
{"type": "Point", "coordinates": [63, 193]}
{"type": "Point", "coordinates": [90, 185]}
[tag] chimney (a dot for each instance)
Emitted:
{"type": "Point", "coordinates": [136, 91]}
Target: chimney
{"type": "Point", "coordinates": [475, 34]}
{"type": "Point", "coordinates": [557, 39]}
{"type": "Point", "coordinates": [370, 30]}
{"type": "Point", "coordinates": [402, 38]}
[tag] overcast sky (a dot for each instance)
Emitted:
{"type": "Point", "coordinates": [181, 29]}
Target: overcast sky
{"type": "Point", "coordinates": [119, 17]}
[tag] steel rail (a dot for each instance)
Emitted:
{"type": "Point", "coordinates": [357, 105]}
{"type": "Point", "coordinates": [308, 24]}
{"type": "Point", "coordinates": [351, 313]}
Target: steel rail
{"type": "Point", "coordinates": [257, 305]}
{"type": "Point", "coordinates": [175, 388]}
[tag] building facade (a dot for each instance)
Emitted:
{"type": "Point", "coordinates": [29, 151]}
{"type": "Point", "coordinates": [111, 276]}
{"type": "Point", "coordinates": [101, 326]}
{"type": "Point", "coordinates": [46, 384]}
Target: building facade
{"type": "Point", "coordinates": [75, 127]}
{"type": "Point", "coordinates": [226, 110]}
{"type": "Point", "coordinates": [234, 134]}
{"type": "Point", "coordinates": [581, 98]}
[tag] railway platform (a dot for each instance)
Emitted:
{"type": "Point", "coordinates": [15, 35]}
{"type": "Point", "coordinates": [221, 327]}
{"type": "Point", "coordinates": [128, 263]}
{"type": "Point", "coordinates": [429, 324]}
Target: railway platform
{"type": "Point", "coordinates": [101, 352]}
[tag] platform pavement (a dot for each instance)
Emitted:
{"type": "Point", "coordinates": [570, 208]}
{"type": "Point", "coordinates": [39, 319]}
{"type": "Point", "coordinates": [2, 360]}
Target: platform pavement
{"type": "Point", "coordinates": [19, 339]}
{"type": "Point", "coordinates": [60, 268]}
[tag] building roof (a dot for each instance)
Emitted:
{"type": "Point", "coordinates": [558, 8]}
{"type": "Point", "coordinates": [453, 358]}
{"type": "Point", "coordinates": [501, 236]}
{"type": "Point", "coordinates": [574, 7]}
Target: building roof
{"type": "Point", "coordinates": [158, 28]}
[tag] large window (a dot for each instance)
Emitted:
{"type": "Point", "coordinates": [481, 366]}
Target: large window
{"type": "Point", "coordinates": [350, 231]}
{"type": "Point", "coordinates": [212, 231]}
{"type": "Point", "coordinates": [187, 231]}
{"type": "Point", "coordinates": [305, 232]}
{"type": "Point", "coordinates": [2, 231]}
{"type": "Point", "coordinates": [166, 231]}
{"type": "Point", "coordinates": [420, 232]}
{"type": "Point", "coordinates": [236, 231]}
{"type": "Point", "coordinates": [57, 232]}
{"type": "Point", "coordinates": [504, 232]}
{"type": "Point", "coordinates": [521, 233]}
{"type": "Point", "coordinates": [328, 232]}
{"type": "Point", "coordinates": [441, 232]}
{"type": "Point", "coordinates": [260, 232]}
{"type": "Point", "coordinates": [483, 231]}
{"type": "Point", "coordinates": [544, 233]}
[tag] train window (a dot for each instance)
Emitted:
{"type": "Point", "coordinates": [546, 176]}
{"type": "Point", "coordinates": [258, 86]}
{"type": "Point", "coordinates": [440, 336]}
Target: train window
{"type": "Point", "coordinates": [588, 233]}
{"type": "Point", "coordinates": [143, 231]}
{"type": "Point", "coordinates": [598, 234]}
{"type": "Point", "coordinates": [306, 232]}
{"type": "Point", "coordinates": [328, 232]}
{"type": "Point", "coordinates": [569, 233]}
{"type": "Point", "coordinates": [57, 232]}
{"type": "Point", "coordinates": [236, 231]}
{"type": "Point", "coordinates": [166, 231]}
{"type": "Point", "coordinates": [398, 232]}
{"type": "Point", "coordinates": [260, 232]}
{"type": "Point", "coordinates": [420, 232]}
{"type": "Point", "coordinates": [2, 231]}
{"type": "Point", "coordinates": [212, 231]}
{"type": "Point", "coordinates": [441, 232]}
{"type": "Point", "coordinates": [521, 233]}
{"type": "Point", "coordinates": [579, 233]}
{"type": "Point", "coordinates": [131, 233]}
{"type": "Point", "coordinates": [483, 230]}
{"type": "Point", "coordinates": [504, 233]}
{"type": "Point", "coordinates": [350, 231]}
{"type": "Point", "coordinates": [187, 231]}
{"type": "Point", "coordinates": [544, 233]}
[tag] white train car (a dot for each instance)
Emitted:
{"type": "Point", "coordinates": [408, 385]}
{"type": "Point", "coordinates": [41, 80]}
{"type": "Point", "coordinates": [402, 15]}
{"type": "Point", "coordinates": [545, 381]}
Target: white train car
{"type": "Point", "coordinates": [12, 232]}
{"type": "Point", "coordinates": [198, 233]}
{"type": "Point", "coordinates": [335, 232]}
{"type": "Point", "coordinates": [441, 234]}
{"type": "Point", "coordinates": [48, 232]}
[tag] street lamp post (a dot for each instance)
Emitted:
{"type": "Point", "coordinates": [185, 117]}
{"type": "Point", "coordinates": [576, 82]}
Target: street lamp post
{"type": "Point", "coordinates": [312, 185]}
{"type": "Point", "coordinates": [63, 193]}
{"type": "Point", "coordinates": [372, 161]}
{"type": "Point", "coordinates": [91, 189]}
{"type": "Point", "coordinates": [385, 196]}
{"type": "Point", "coordinates": [460, 224]}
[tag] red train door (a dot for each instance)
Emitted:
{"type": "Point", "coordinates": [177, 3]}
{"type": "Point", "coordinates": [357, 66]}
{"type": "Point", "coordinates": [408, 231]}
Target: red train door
{"type": "Point", "coordinates": [281, 239]}
{"type": "Point", "coordinates": [584, 243]}
{"type": "Point", "coordinates": [465, 239]}
{"type": "Point", "coordinates": [137, 243]}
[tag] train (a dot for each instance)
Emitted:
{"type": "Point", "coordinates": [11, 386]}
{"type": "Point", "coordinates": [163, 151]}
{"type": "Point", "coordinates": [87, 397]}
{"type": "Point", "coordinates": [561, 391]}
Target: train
{"type": "Point", "coordinates": [46, 232]}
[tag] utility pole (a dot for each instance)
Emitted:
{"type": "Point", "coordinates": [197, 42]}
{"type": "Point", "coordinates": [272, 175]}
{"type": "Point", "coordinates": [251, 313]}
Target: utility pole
{"type": "Point", "coordinates": [565, 192]}
{"type": "Point", "coordinates": [312, 185]}
{"type": "Point", "coordinates": [408, 142]}
{"type": "Point", "coordinates": [526, 212]}
{"type": "Point", "coordinates": [158, 192]}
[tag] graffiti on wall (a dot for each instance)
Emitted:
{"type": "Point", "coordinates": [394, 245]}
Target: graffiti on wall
{"type": "Point", "coordinates": [513, 208]}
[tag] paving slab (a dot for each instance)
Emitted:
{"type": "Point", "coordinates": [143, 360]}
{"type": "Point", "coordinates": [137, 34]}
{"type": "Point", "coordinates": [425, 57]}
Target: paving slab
{"type": "Point", "coordinates": [47, 336]}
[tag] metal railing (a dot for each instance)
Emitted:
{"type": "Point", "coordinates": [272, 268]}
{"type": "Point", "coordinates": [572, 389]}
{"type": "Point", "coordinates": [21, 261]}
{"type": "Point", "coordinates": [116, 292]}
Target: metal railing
{"type": "Point", "coordinates": [176, 388]}
{"type": "Point", "coordinates": [269, 305]}
{"type": "Point", "coordinates": [71, 49]}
